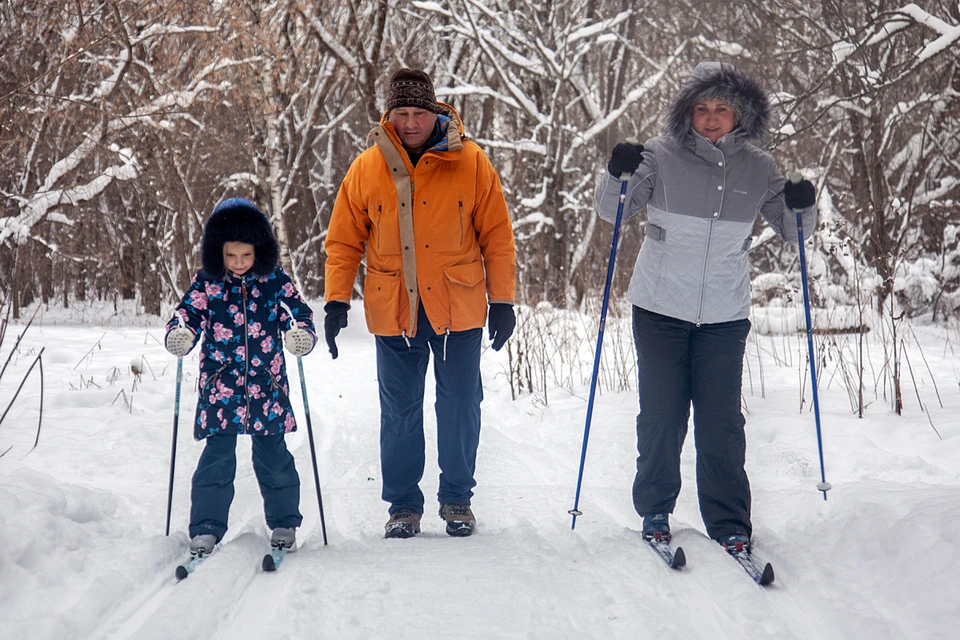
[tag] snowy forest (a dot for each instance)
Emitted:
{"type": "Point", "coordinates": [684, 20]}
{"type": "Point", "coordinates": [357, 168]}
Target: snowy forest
{"type": "Point", "coordinates": [123, 122]}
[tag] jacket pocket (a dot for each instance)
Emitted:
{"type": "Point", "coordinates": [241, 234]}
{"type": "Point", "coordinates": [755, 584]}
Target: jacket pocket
{"type": "Point", "coordinates": [654, 232]}
{"type": "Point", "coordinates": [381, 302]}
{"type": "Point", "coordinates": [468, 296]}
{"type": "Point", "coordinates": [386, 230]}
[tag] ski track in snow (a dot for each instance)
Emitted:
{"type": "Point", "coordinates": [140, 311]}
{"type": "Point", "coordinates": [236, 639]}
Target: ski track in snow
{"type": "Point", "coordinates": [96, 488]}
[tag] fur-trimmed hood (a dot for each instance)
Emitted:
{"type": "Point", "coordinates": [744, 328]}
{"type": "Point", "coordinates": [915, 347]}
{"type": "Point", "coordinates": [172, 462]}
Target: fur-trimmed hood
{"type": "Point", "coordinates": [716, 80]}
{"type": "Point", "coordinates": [238, 220]}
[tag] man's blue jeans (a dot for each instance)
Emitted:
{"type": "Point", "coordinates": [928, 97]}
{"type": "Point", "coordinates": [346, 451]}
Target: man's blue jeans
{"type": "Point", "coordinates": [401, 370]}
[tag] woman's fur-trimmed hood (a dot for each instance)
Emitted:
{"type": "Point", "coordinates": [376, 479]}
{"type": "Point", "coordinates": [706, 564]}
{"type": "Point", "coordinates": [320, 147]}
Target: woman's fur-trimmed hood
{"type": "Point", "coordinates": [719, 80]}
{"type": "Point", "coordinates": [238, 220]}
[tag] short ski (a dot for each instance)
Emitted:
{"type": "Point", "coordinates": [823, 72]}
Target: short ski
{"type": "Point", "coordinates": [271, 561]}
{"type": "Point", "coordinates": [675, 558]}
{"type": "Point", "coordinates": [190, 566]}
{"type": "Point", "coordinates": [762, 573]}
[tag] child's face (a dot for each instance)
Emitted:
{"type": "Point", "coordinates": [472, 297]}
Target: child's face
{"type": "Point", "coordinates": [238, 257]}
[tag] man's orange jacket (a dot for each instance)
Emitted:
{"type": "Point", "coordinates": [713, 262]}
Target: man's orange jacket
{"type": "Point", "coordinates": [437, 234]}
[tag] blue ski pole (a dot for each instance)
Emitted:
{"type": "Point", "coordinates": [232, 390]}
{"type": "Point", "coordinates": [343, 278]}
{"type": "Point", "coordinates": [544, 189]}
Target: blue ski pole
{"type": "Point", "coordinates": [173, 447]}
{"type": "Point", "coordinates": [313, 450]}
{"type": "Point", "coordinates": [823, 485]}
{"type": "Point", "coordinates": [596, 358]}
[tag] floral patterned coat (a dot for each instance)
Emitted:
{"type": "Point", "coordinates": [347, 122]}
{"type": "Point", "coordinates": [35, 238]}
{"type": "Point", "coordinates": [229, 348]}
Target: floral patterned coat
{"type": "Point", "coordinates": [243, 378]}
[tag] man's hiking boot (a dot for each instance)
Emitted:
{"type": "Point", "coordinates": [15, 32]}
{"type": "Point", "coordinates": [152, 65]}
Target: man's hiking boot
{"type": "Point", "coordinates": [735, 542]}
{"type": "Point", "coordinates": [459, 519]}
{"type": "Point", "coordinates": [203, 544]}
{"type": "Point", "coordinates": [403, 523]}
{"type": "Point", "coordinates": [656, 527]}
{"type": "Point", "coordinates": [283, 538]}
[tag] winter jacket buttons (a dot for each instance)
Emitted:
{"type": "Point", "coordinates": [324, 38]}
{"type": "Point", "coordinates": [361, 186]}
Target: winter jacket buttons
{"type": "Point", "coordinates": [716, 214]}
{"type": "Point", "coordinates": [719, 187]}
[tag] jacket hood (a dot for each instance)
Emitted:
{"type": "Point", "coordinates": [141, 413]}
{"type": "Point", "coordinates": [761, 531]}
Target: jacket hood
{"type": "Point", "coordinates": [722, 81]}
{"type": "Point", "coordinates": [238, 220]}
{"type": "Point", "coordinates": [453, 141]}
{"type": "Point", "coordinates": [443, 109]}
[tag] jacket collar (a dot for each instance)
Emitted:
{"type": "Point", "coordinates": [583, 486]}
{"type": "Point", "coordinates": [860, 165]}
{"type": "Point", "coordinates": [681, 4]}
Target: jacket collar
{"type": "Point", "coordinates": [452, 142]}
{"type": "Point", "coordinates": [728, 145]}
{"type": "Point", "coordinates": [248, 278]}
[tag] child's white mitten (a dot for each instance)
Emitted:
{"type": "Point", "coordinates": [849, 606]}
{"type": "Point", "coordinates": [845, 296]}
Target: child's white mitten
{"type": "Point", "coordinates": [179, 341]}
{"type": "Point", "coordinates": [299, 341]}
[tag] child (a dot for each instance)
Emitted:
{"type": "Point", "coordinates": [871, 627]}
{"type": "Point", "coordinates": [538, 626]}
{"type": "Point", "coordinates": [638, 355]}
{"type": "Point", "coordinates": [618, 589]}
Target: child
{"type": "Point", "coordinates": [237, 302]}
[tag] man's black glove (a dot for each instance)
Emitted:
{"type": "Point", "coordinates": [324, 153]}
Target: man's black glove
{"type": "Point", "coordinates": [799, 195]}
{"type": "Point", "coordinates": [335, 320]}
{"type": "Point", "coordinates": [501, 322]}
{"type": "Point", "coordinates": [625, 158]}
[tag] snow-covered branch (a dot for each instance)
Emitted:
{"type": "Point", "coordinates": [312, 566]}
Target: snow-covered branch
{"type": "Point", "coordinates": [36, 207]}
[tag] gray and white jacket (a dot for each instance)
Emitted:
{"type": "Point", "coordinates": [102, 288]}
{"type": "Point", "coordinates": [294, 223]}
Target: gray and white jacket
{"type": "Point", "coordinates": [702, 200]}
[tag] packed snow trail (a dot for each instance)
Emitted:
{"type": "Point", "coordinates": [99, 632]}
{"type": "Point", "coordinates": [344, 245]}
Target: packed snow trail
{"type": "Point", "coordinates": [82, 551]}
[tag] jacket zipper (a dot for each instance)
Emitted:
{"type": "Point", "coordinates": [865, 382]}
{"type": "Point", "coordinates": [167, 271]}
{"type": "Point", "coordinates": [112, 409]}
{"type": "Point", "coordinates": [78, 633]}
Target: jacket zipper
{"type": "Point", "coordinates": [706, 253]}
{"type": "Point", "coordinates": [460, 204]}
{"type": "Point", "coordinates": [703, 276]}
{"type": "Point", "coordinates": [379, 225]}
{"type": "Point", "coordinates": [213, 378]}
{"type": "Point", "coordinates": [246, 355]}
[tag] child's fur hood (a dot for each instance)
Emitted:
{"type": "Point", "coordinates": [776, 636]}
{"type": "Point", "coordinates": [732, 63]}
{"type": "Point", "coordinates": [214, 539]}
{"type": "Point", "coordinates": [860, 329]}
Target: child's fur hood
{"type": "Point", "coordinates": [238, 220]}
{"type": "Point", "coordinates": [715, 80]}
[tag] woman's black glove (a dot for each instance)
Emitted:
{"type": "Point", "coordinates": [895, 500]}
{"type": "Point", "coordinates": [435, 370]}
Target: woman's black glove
{"type": "Point", "coordinates": [625, 158]}
{"type": "Point", "coordinates": [799, 195]}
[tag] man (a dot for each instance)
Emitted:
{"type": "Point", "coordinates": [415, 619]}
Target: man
{"type": "Point", "coordinates": [426, 207]}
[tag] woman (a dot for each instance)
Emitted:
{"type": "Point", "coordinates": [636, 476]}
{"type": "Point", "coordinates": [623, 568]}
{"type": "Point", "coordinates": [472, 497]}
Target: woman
{"type": "Point", "coordinates": [703, 183]}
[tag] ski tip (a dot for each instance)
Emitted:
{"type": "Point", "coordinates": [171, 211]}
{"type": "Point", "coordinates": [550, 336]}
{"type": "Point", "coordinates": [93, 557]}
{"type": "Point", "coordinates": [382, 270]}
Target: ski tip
{"type": "Point", "coordinates": [680, 559]}
{"type": "Point", "coordinates": [182, 572]}
{"type": "Point", "coordinates": [268, 564]}
{"type": "Point", "coordinates": [767, 576]}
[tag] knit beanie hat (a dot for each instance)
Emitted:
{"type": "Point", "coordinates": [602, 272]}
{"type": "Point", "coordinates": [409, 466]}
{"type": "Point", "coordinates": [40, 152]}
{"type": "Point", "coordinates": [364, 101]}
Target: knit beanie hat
{"type": "Point", "coordinates": [411, 88]}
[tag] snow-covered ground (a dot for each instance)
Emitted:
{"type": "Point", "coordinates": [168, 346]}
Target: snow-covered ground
{"type": "Point", "coordinates": [83, 552]}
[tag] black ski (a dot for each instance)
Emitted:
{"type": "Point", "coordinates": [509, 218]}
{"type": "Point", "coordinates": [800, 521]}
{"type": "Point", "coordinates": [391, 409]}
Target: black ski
{"type": "Point", "coordinates": [674, 557]}
{"type": "Point", "coordinates": [761, 572]}
{"type": "Point", "coordinates": [190, 566]}
{"type": "Point", "coordinates": [271, 561]}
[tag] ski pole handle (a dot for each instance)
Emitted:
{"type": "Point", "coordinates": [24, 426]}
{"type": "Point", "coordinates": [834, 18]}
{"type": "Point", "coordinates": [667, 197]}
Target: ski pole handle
{"type": "Point", "coordinates": [631, 140]}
